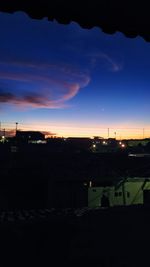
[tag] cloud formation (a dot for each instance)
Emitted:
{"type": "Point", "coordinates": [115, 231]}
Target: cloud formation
{"type": "Point", "coordinates": [40, 85]}
{"type": "Point", "coordinates": [110, 63]}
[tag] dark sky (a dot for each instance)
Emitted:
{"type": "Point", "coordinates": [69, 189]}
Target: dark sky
{"type": "Point", "coordinates": [72, 81]}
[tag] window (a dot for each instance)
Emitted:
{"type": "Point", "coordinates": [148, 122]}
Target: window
{"type": "Point", "coordinates": [118, 194]}
{"type": "Point", "coordinates": [128, 194]}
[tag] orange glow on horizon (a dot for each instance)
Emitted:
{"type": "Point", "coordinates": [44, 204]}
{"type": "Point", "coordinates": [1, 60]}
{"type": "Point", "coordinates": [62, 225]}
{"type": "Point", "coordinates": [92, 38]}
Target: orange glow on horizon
{"type": "Point", "coordinates": [83, 131]}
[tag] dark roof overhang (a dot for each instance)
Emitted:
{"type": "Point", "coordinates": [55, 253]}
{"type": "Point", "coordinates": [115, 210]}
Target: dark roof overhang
{"type": "Point", "coordinates": [129, 17]}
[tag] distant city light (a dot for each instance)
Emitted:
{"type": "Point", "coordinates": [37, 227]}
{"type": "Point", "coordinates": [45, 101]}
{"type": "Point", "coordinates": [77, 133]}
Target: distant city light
{"type": "Point", "coordinates": [122, 145]}
{"type": "Point", "coordinates": [94, 145]}
{"type": "Point", "coordinates": [104, 143]}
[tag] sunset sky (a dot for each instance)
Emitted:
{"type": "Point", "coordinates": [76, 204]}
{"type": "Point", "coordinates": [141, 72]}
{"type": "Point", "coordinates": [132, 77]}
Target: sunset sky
{"type": "Point", "coordinates": [72, 81]}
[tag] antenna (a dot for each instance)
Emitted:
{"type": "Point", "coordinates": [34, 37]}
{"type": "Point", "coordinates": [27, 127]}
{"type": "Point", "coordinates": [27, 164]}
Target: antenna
{"type": "Point", "coordinates": [16, 127]}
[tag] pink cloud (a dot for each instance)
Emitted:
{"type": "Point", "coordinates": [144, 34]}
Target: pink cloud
{"type": "Point", "coordinates": [42, 86]}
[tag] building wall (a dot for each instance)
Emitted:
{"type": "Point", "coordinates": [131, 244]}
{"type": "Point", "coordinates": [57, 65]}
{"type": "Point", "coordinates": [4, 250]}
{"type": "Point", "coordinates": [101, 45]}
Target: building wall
{"type": "Point", "coordinates": [117, 196]}
{"type": "Point", "coordinates": [128, 193]}
{"type": "Point", "coordinates": [136, 191]}
{"type": "Point", "coordinates": [95, 195]}
{"type": "Point", "coordinates": [137, 142]}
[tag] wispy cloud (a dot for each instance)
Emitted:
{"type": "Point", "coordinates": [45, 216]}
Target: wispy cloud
{"type": "Point", "coordinates": [108, 61]}
{"type": "Point", "coordinates": [40, 85]}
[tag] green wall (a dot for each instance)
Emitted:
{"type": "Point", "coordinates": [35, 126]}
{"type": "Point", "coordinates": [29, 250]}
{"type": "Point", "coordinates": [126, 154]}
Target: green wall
{"type": "Point", "coordinates": [128, 193]}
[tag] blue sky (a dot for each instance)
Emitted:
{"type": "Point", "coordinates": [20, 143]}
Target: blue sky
{"type": "Point", "coordinates": [69, 80]}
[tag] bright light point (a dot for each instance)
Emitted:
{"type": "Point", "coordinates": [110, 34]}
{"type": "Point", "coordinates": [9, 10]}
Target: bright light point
{"type": "Point", "coordinates": [122, 145]}
{"type": "Point", "coordinates": [94, 145]}
{"type": "Point", "coordinates": [104, 143]}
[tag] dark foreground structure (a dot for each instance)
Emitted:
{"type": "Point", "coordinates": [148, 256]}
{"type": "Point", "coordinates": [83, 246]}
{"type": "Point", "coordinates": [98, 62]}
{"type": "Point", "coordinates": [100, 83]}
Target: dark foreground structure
{"type": "Point", "coordinates": [44, 218]}
{"type": "Point", "coordinates": [129, 17]}
{"type": "Point", "coordinates": [69, 237]}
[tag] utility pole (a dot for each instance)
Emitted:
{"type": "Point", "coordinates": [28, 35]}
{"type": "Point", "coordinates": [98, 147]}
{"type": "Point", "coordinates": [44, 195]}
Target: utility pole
{"type": "Point", "coordinates": [16, 126]}
{"type": "Point", "coordinates": [143, 133]}
{"type": "Point", "coordinates": [108, 132]}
